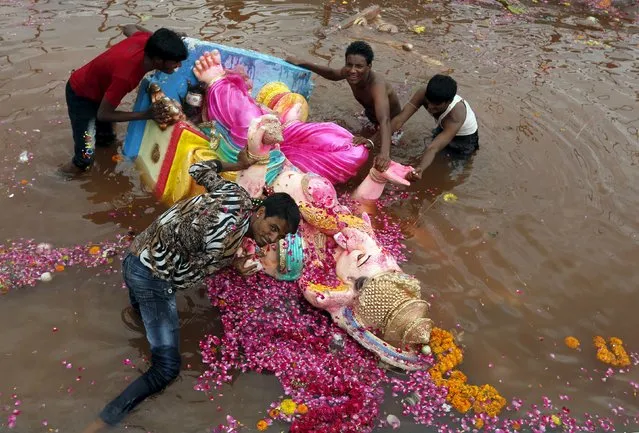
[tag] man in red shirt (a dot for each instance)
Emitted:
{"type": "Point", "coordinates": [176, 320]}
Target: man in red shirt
{"type": "Point", "coordinates": [95, 90]}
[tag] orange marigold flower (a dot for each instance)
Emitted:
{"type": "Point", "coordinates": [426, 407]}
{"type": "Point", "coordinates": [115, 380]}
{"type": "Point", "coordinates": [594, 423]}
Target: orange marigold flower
{"type": "Point", "coordinates": [461, 404]}
{"type": "Point", "coordinates": [572, 342]}
{"type": "Point", "coordinates": [262, 425]}
{"type": "Point", "coordinates": [59, 268]}
{"type": "Point", "coordinates": [273, 413]}
{"type": "Point", "coordinates": [94, 250]}
{"type": "Point", "coordinates": [302, 409]}
{"type": "Point", "coordinates": [617, 357]}
{"type": "Point", "coordinates": [479, 423]}
{"type": "Point", "coordinates": [615, 341]}
{"type": "Point", "coordinates": [516, 425]}
{"type": "Point", "coordinates": [458, 375]}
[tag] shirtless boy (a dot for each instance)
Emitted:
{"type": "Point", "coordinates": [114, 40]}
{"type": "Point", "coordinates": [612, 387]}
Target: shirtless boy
{"type": "Point", "coordinates": [456, 123]}
{"type": "Point", "coordinates": [377, 97]}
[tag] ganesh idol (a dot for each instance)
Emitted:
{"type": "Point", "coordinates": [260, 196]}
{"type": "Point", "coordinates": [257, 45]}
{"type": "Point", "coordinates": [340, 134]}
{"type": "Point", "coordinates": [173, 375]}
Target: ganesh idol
{"type": "Point", "coordinates": [335, 256]}
{"type": "Point", "coordinates": [323, 148]}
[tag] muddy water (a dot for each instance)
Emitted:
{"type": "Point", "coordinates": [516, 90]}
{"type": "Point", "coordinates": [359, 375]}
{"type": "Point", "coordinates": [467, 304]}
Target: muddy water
{"type": "Point", "coordinates": [542, 242]}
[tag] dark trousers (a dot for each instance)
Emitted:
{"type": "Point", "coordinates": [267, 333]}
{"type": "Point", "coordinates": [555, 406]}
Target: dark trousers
{"type": "Point", "coordinates": [461, 146]}
{"type": "Point", "coordinates": [154, 299]}
{"type": "Point", "coordinates": [88, 132]}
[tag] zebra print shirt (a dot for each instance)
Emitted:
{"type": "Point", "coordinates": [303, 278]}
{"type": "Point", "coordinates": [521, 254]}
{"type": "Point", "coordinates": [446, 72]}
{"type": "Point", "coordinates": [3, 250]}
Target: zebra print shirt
{"type": "Point", "coordinates": [198, 236]}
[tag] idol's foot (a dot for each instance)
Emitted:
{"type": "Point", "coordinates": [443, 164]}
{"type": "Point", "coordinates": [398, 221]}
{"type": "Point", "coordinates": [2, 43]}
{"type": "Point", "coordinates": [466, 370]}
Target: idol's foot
{"type": "Point", "coordinates": [396, 173]}
{"type": "Point", "coordinates": [208, 68]}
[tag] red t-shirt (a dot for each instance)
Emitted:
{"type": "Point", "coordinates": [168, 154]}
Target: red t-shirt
{"type": "Point", "coordinates": [113, 73]}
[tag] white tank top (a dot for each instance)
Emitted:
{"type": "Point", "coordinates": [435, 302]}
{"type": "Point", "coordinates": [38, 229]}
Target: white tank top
{"type": "Point", "coordinates": [470, 123]}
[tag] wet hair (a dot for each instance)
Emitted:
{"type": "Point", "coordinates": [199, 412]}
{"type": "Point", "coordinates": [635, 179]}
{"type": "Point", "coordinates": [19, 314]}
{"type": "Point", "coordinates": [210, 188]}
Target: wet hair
{"type": "Point", "coordinates": [283, 206]}
{"type": "Point", "coordinates": [361, 48]}
{"type": "Point", "coordinates": [441, 88]}
{"type": "Point", "coordinates": [165, 44]}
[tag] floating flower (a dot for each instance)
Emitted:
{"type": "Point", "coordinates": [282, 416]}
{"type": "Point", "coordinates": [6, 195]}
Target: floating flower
{"type": "Point", "coordinates": [302, 409]}
{"type": "Point", "coordinates": [59, 268]}
{"type": "Point", "coordinates": [555, 420]}
{"type": "Point", "coordinates": [274, 413]}
{"type": "Point", "coordinates": [94, 250]}
{"type": "Point", "coordinates": [449, 197]}
{"type": "Point", "coordinates": [262, 425]}
{"type": "Point", "coordinates": [288, 406]}
{"type": "Point", "coordinates": [419, 29]}
{"type": "Point", "coordinates": [393, 421]}
{"type": "Point", "coordinates": [618, 357]}
{"type": "Point", "coordinates": [572, 342]}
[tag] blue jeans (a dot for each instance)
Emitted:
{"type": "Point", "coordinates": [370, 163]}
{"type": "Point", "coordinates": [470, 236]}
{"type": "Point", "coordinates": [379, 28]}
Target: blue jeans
{"type": "Point", "coordinates": [88, 132]}
{"type": "Point", "coordinates": [154, 299]}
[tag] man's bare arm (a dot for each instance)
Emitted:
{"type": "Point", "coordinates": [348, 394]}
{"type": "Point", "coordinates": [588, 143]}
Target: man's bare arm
{"type": "Point", "coordinates": [407, 112]}
{"type": "Point", "coordinates": [450, 128]}
{"type": "Point", "coordinates": [323, 71]}
{"type": "Point", "coordinates": [382, 113]}
{"type": "Point", "coordinates": [131, 29]}
{"type": "Point", "coordinates": [409, 109]}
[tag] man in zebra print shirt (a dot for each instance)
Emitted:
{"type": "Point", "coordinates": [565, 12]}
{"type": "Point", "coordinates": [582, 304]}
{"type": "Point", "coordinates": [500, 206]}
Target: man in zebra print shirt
{"type": "Point", "coordinates": [194, 238]}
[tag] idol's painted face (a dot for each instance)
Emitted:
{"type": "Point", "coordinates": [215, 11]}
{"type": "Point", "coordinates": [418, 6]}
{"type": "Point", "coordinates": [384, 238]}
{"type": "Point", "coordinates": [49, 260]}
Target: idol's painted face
{"type": "Point", "coordinates": [360, 256]}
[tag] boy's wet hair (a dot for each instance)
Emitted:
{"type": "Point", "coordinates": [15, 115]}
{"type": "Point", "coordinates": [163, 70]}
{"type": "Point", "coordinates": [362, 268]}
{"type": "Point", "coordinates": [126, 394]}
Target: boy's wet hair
{"type": "Point", "coordinates": [441, 88]}
{"type": "Point", "coordinates": [283, 206]}
{"type": "Point", "coordinates": [361, 48]}
{"type": "Point", "coordinates": [165, 44]}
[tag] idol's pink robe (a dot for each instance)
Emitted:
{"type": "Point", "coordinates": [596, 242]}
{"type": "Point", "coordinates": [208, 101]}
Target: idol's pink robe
{"type": "Point", "coordinates": [324, 148]}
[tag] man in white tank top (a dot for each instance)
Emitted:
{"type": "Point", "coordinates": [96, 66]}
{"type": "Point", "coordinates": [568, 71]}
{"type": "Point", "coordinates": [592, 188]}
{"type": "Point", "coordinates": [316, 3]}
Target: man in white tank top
{"type": "Point", "coordinates": [456, 123]}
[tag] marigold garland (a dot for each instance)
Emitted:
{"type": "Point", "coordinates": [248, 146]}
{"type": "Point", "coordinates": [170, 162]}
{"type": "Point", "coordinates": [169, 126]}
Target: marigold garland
{"type": "Point", "coordinates": [618, 357]}
{"type": "Point", "coordinates": [482, 399]}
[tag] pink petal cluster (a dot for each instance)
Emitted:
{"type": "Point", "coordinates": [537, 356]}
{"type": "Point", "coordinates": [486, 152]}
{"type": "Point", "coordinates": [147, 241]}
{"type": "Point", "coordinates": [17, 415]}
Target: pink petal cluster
{"type": "Point", "coordinates": [23, 262]}
{"type": "Point", "coordinates": [269, 327]}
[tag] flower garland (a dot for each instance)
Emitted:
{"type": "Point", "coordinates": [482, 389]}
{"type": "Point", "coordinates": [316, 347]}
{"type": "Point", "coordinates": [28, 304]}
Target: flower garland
{"type": "Point", "coordinates": [618, 357]}
{"type": "Point", "coordinates": [482, 399]}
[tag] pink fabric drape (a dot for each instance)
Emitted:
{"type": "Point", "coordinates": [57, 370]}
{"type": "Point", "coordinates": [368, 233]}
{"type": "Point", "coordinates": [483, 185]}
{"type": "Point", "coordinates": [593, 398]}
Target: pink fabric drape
{"type": "Point", "coordinates": [229, 102]}
{"type": "Point", "coordinates": [323, 148]}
